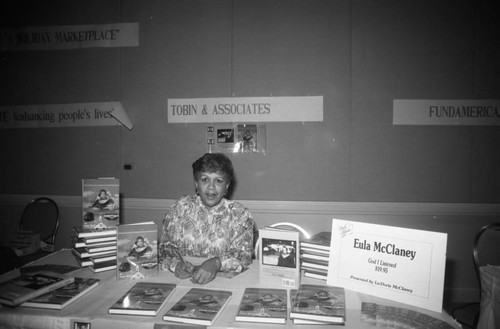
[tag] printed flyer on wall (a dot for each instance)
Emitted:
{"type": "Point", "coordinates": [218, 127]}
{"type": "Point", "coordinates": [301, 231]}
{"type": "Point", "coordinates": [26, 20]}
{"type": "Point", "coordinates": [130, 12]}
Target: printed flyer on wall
{"type": "Point", "coordinates": [405, 265]}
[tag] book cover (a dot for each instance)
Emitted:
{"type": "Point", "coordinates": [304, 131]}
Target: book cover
{"type": "Point", "coordinates": [144, 298]}
{"type": "Point", "coordinates": [293, 296]}
{"type": "Point", "coordinates": [62, 297]}
{"type": "Point", "coordinates": [263, 305]}
{"type": "Point", "coordinates": [279, 258]}
{"type": "Point", "coordinates": [30, 285]}
{"type": "Point", "coordinates": [321, 240]}
{"type": "Point", "coordinates": [319, 303]}
{"type": "Point", "coordinates": [100, 203]}
{"type": "Point", "coordinates": [198, 306]}
{"type": "Point", "coordinates": [401, 264]}
{"type": "Point", "coordinates": [137, 251]}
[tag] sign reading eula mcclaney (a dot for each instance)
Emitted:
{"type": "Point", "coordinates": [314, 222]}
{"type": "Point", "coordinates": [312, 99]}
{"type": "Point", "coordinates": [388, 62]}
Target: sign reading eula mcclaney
{"type": "Point", "coordinates": [245, 109]}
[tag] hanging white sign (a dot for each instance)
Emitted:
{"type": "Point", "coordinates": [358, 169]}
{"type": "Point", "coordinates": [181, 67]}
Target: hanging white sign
{"type": "Point", "coordinates": [245, 109]}
{"type": "Point", "coordinates": [64, 115]}
{"type": "Point", "coordinates": [467, 112]}
{"type": "Point", "coordinates": [70, 37]}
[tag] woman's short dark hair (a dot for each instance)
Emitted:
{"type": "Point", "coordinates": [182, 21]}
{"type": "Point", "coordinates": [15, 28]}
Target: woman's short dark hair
{"type": "Point", "coordinates": [214, 162]}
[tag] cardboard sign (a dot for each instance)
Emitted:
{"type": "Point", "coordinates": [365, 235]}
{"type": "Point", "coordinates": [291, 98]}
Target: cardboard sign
{"type": "Point", "coordinates": [404, 265]}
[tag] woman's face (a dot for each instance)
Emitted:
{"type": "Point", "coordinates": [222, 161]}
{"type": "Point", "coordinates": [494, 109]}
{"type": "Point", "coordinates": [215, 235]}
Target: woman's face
{"type": "Point", "coordinates": [211, 187]}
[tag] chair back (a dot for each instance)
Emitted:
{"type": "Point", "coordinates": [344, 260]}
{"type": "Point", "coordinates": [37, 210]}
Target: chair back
{"type": "Point", "coordinates": [486, 254]}
{"type": "Point", "coordinates": [41, 216]}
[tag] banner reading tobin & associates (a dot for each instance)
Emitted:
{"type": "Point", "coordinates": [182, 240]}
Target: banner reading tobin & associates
{"type": "Point", "coordinates": [245, 109]}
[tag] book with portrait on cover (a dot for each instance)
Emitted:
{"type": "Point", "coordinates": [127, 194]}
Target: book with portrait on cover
{"type": "Point", "coordinates": [23, 287]}
{"type": "Point", "coordinates": [263, 305]}
{"type": "Point", "coordinates": [137, 251]}
{"type": "Point", "coordinates": [100, 203]}
{"type": "Point", "coordinates": [62, 297]}
{"type": "Point", "coordinates": [144, 298]}
{"type": "Point", "coordinates": [279, 265]}
{"type": "Point", "coordinates": [198, 306]}
{"type": "Point", "coordinates": [319, 303]}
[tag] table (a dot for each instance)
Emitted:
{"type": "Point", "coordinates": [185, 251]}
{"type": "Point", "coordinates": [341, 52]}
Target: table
{"type": "Point", "coordinates": [93, 307]}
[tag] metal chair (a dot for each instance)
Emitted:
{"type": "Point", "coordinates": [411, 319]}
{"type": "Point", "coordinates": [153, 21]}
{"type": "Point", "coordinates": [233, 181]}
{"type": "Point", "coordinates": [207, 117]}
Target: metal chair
{"type": "Point", "coordinates": [485, 252]}
{"type": "Point", "coordinates": [42, 216]}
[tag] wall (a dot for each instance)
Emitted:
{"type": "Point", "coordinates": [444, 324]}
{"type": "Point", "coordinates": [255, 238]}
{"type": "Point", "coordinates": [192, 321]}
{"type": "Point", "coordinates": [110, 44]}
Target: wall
{"type": "Point", "coordinates": [359, 55]}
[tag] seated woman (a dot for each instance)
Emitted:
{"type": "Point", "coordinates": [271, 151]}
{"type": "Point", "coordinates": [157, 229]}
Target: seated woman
{"type": "Point", "coordinates": [207, 226]}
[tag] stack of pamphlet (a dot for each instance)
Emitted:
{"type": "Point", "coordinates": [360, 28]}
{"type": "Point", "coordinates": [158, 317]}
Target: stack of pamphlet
{"type": "Point", "coordinates": [318, 304]}
{"type": "Point", "coordinates": [95, 249]}
{"type": "Point", "coordinates": [315, 255]}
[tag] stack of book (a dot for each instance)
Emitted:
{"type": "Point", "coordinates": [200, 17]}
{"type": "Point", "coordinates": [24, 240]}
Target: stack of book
{"type": "Point", "coordinates": [95, 249]}
{"type": "Point", "coordinates": [315, 255]}
{"type": "Point", "coordinates": [95, 241]}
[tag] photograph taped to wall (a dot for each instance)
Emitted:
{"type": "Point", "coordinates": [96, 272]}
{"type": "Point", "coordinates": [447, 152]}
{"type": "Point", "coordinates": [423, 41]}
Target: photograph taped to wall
{"type": "Point", "coordinates": [241, 138]}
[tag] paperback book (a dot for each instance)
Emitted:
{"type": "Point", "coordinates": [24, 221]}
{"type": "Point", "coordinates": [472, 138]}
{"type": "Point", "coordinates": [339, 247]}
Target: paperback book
{"type": "Point", "coordinates": [198, 306]}
{"type": "Point", "coordinates": [279, 258]}
{"type": "Point", "coordinates": [263, 305]}
{"type": "Point", "coordinates": [144, 298]}
{"type": "Point", "coordinates": [26, 286]}
{"type": "Point", "coordinates": [137, 251]}
{"type": "Point", "coordinates": [319, 303]}
{"type": "Point", "coordinates": [100, 203]}
{"type": "Point", "coordinates": [62, 297]}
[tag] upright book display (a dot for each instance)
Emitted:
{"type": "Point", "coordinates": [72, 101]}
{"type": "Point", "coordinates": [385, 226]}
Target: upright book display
{"type": "Point", "coordinates": [137, 251]}
{"type": "Point", "coordinates": [100, 203]}
{"type": "Point", "coordinates": [62, 297]}
{"type": "Point", "coordinates": [198, 306]}
{"type": "Point", "coordinates": [265, 305]}
{"type": "Point", "coordinates": [279, 258]}
{"type": "Point", "coordinates": [320, 303]}
{"type": "Point", "coordinates": [30, 285]}
{"type": "Point", "coordinates": [144, 298]}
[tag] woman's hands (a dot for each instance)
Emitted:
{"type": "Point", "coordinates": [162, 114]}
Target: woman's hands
{"type": "Point", "coordinates": [207, 271]}
{"type": "Point", "coordinates": [202, 274]}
